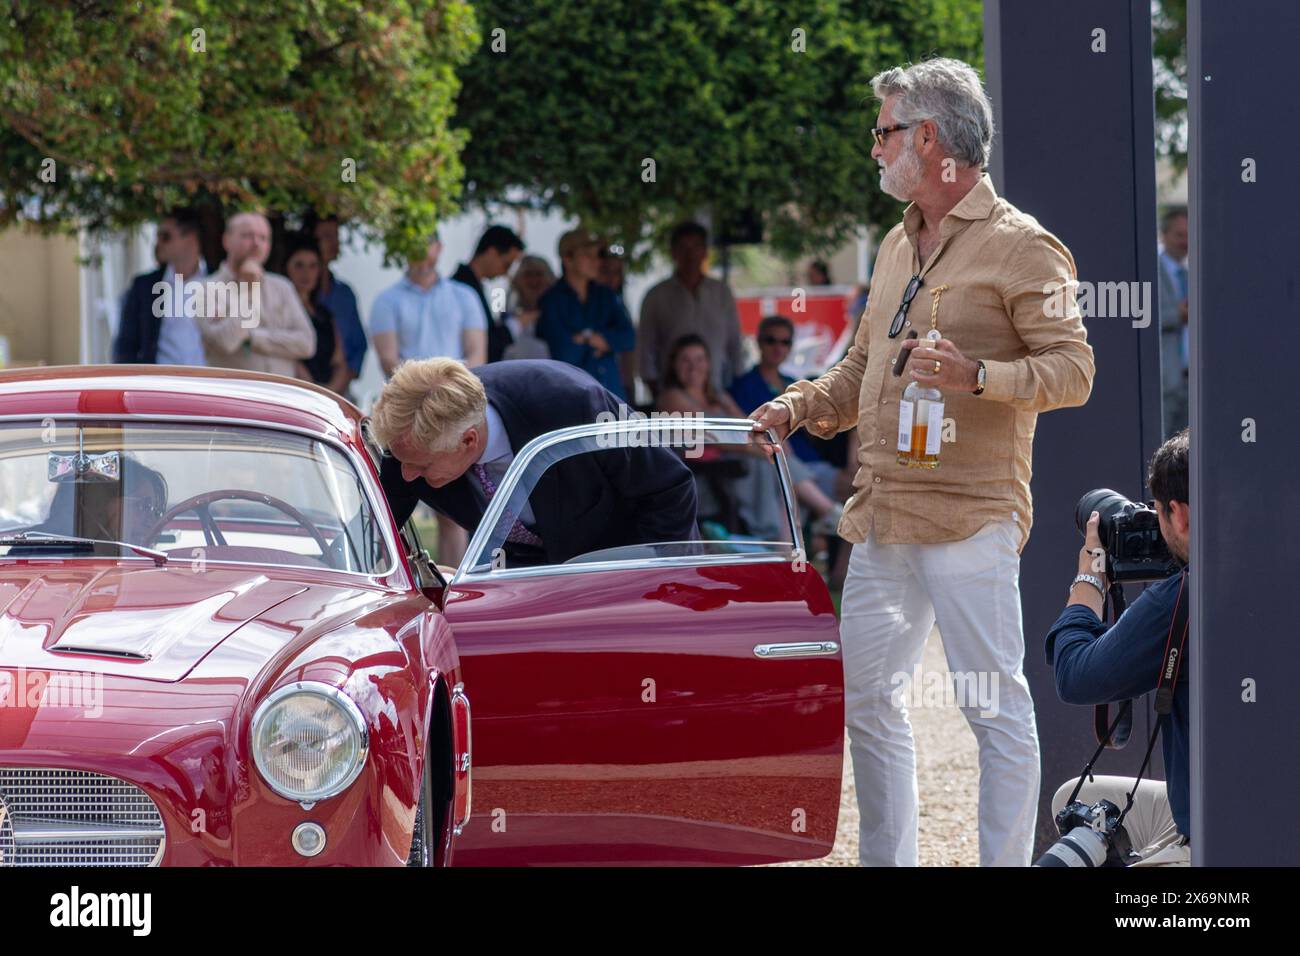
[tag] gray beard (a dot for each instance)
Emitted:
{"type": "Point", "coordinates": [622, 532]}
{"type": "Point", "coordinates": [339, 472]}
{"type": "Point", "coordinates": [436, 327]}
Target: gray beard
{"type": "Point", "coordinates": [901, 179]}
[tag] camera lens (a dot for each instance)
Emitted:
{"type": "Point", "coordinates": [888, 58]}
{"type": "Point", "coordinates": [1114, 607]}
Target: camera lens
{"type": "Point", "coordinates": [1130, 535]}
{"type": "Point", "coordinates": [1106, 503]}
{"type": "Point", "coordinates": [1082, 846]}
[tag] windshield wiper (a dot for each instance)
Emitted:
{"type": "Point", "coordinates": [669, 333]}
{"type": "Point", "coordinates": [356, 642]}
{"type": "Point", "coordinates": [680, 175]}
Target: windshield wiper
{"type": "Point", "coordinates": [29, 537]}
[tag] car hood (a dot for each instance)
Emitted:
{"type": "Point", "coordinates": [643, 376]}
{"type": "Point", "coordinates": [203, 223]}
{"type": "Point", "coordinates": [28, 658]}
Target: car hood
{"type": "Point", "coordinates": [155, 623]}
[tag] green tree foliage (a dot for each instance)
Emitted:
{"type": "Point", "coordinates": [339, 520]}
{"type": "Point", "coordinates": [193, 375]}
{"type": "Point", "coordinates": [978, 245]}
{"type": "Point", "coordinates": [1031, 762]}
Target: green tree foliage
{"type": "Point", "coordinates": [716, 92]}
{"type": "Point", "coordinates": [1169, 46]}
{"type": "Point", "coordinates": [249, 104]}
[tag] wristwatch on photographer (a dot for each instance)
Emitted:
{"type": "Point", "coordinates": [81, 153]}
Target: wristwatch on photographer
{"type": "Point", "coordinates": [979, 378]}
{"type": "Point", "coordinates": [1091, 579]}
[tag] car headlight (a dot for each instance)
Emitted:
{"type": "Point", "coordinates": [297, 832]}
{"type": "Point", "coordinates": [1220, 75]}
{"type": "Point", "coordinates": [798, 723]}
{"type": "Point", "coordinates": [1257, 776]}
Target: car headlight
{"type": "Point", "coordinates": [309, 741]}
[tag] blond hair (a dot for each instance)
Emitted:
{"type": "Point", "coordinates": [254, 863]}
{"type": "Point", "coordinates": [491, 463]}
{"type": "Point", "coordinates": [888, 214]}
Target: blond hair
{"type": "Point", "coordinates": [433, 401]}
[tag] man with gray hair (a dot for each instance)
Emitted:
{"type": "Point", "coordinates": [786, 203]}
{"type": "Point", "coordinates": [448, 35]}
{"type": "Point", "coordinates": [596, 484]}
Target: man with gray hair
{"type": "Point", "coordinates": [942, 544]}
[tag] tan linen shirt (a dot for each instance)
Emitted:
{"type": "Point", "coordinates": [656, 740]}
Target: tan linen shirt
{"type": "Point", "coordinates": [997, 263]}
{"type": "Point", "coordinates": [670, 310]}
{"type": "Point", "coordinates": [282, 333]}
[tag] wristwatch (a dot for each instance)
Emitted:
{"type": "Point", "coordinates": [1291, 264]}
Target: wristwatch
{"type": "Point", "coordinates": [979, 378]}
{"type": "Point", "coordinates": [1091, 579]}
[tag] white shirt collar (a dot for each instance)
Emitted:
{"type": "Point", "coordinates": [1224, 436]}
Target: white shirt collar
{"type": "Point", "coordinates": [169, 274]}
{"type": "Point", "coordinates": [498, 450]}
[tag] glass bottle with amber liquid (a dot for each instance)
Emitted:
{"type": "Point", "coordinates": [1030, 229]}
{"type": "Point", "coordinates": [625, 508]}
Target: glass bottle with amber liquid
{"type": "Point", "coordinates": [920, 423]}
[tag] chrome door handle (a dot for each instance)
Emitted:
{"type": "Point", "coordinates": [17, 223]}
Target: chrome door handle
{"type": "Point", "coordinates": [803, 649]}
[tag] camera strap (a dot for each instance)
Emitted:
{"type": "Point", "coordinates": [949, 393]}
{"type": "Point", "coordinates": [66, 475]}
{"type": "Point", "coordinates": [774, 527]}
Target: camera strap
{"type": "Point", "coordinates": [1171, 666]}
{"type": "Point", "coordinates": [1113, 734]}
{"type": "Point", "coordinates": [1124, 715]}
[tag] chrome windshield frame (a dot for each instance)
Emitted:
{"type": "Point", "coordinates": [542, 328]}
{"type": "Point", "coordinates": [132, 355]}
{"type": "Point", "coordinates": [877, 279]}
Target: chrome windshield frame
{"type": "Point", "coordinates": [465, 572]}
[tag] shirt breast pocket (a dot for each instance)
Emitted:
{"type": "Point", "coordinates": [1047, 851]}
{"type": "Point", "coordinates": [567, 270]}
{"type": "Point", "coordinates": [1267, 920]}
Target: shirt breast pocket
{"type": "Point", "coordinates": [955, 303]}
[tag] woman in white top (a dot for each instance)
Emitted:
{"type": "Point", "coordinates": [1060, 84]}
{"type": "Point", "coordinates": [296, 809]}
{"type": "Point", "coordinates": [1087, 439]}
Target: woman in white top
{"type": "Point", "coordinates": [532, 278]}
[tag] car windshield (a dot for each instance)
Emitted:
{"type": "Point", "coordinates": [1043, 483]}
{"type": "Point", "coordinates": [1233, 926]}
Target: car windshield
{"type": "Point", "coordinates": [195, 492]}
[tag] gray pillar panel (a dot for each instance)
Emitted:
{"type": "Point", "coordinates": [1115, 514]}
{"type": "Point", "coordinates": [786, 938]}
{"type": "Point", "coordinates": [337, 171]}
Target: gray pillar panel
{"type": "Point", "coordinates": [1075, 149]}
{"type": "Point", "coordinates": [1245, 495]}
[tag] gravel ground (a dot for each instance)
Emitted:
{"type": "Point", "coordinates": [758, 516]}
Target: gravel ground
{"type": "Point", "coordinates": [947, 760]}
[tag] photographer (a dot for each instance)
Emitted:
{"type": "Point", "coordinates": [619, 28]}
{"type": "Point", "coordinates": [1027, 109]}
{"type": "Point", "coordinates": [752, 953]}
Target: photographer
{"type": "Point", "coordinates": [1097, 664]}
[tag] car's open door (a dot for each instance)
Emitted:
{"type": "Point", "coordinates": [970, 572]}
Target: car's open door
{"type": "Point", "coordinates": [668, 702]}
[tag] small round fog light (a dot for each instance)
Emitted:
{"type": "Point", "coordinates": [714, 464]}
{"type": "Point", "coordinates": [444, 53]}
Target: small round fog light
{"type": "Point", "coordinates": [308, 839]}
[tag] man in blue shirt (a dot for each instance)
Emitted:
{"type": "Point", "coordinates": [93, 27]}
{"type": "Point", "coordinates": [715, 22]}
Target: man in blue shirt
{"type": "Point", "coordinates": [584, 322]}
{"type": "Point", "coordinates": [426, 316]}
{"type": "Point", "coordinates": [337, 296]}
{"type": "Point", "coordinates": [1098, 664]}
{"type": "Point", "coordinates": [1172, 286]}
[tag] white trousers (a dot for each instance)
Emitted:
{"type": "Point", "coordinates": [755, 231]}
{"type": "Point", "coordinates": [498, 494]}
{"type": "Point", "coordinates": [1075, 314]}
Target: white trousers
{"type": "Point", "coordinates": [892, 598]}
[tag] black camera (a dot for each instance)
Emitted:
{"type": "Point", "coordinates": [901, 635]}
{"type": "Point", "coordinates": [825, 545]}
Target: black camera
{"type": "Point", "coordinates": [1130, 535]}
{"type": "Point", "coordinates": [1090, 836]}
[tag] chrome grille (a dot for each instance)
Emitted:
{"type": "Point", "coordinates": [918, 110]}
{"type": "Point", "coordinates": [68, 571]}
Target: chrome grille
{"type": "Point", "coordinates": [77, 818]}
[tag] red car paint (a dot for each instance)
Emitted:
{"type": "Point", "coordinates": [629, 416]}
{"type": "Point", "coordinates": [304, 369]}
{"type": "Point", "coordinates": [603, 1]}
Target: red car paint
{"type": "Point", "coordinates": [721, 757]}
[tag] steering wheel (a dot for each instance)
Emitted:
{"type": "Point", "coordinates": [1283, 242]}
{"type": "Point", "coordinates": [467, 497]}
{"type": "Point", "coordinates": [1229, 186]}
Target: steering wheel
{"type": "Point", "coordinates": [201, 506]}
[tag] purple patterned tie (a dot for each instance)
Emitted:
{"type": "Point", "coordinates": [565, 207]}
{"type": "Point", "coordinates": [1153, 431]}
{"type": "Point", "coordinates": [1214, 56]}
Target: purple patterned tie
{"type": "Point", "coordinates": [518, 533]}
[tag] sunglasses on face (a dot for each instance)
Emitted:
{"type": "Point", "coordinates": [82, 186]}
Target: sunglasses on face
{"type": "Point", "coordinates": [880, 132]}
{"type": "Point", "coordinates": [773, 340]}
{"type": "Point", "coordinates": [913, 287]}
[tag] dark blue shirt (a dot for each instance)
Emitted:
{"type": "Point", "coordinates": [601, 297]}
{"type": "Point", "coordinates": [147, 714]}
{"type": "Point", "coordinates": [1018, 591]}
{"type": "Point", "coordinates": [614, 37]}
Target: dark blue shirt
{"type": "Point", "coordinates": [1096, 664]}
{"type": "Point", "coordinates": [341, 302]}
{"type": "Point", "coordinates": [564, 316]}
{"type": "Point", "coordinates": [751, 390]}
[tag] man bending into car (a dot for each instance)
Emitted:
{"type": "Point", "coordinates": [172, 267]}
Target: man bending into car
{"type": "Point", "coordinates": [451, 433]}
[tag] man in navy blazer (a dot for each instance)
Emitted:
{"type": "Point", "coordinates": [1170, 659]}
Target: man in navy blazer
{"type": "Point", "coordinates": [164, 335]}
{"type": "Point", "coordinates": [136, 341]}
{"type": "Point", "coordinates": [451, 432]}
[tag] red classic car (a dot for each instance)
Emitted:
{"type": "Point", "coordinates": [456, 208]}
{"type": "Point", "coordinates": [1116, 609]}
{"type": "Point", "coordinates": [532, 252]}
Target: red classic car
{"type": "Point", "coordinates": [217, 648]}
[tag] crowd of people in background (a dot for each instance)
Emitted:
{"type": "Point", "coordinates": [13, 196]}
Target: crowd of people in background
{"type": "Point", "coordinates": [686, 347]}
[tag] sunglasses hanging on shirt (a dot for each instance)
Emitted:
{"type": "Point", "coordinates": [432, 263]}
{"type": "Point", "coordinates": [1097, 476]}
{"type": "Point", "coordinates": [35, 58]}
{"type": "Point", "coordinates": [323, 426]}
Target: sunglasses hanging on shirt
{"type": "Point", "coordinates": [913, 287]}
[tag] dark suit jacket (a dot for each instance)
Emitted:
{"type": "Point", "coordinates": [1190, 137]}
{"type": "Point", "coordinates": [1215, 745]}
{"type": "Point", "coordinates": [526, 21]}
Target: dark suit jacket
{"type": "Point", "coordinates": [499, 336]}
{"type": "Point", "coordinates": [608, 498]}
{"type": "Point", "coordinates": [137, 330]}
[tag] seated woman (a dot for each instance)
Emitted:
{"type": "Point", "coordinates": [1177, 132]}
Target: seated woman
{"type": "Point", "coordinates": [765, 381]}
{"type": "Point", "coordinates": [687, 388]}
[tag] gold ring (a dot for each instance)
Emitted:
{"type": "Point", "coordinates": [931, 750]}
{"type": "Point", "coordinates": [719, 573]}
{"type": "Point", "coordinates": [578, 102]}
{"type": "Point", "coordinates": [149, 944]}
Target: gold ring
{"type": "Point", "coordinates": [937, 366]}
